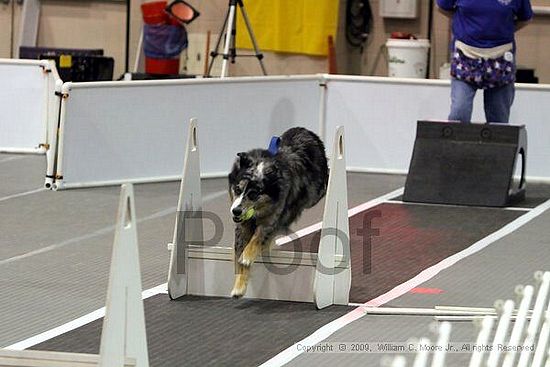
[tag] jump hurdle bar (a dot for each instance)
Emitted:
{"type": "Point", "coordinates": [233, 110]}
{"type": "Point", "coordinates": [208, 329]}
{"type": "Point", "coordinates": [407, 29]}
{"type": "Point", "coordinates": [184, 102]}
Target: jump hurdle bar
{"type": "Point", "coordinates": [323, 278]}
{"type": "Point", "coordinates": [123, 337]}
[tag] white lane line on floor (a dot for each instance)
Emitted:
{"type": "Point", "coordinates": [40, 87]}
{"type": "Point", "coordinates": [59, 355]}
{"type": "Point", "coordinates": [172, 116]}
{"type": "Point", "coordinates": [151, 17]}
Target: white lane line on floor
{"type": "Point", "coordinates": [9, 159]}
{"type": "Point", "coordinates": [351, 212]}
{"type": "Point", "coordinates": [324, 332]}
{"type": "Point", "coordinates": [75, 324]}
{"type": "Point", "coordinates": [516, 208]}
{"type": "Point", "coordinates": [13, 196]}
{"type": "Point", "coordinates": [100, 232]}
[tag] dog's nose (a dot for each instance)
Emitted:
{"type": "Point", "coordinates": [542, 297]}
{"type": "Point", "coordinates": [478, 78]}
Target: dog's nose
{"type": "Point", "coordinates": [237, 211]}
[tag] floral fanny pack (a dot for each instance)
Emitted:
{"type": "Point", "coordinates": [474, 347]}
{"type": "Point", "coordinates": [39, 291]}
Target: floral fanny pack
{"type": "Point", "coordinates": [483, 73]}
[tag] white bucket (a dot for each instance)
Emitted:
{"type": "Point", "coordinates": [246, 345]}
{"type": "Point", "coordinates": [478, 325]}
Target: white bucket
{"type": "Point", "coordinates": [407, 58]}
{"type": "Point", "coordinates": [445, 71]}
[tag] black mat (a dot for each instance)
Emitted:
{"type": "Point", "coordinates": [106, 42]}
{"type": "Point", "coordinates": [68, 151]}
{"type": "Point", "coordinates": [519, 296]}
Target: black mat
{"type": "Point", "coordinates": [203, 331]}
{"type": "Point", "coordinates": [405, 239]}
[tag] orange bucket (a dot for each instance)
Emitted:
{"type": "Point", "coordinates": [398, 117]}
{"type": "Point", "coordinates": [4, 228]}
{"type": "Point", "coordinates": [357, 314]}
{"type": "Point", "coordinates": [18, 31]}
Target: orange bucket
{"type": "Point", "coordinates": [154, 13]}
{"type": "Point", "coordinates": [162, 66]}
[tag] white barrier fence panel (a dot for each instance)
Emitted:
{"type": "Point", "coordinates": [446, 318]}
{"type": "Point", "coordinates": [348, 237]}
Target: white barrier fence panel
{"type": "Point", "coordinates": [114, 132]}
{"type": "Point", "coordinates": [26, 100]}
{"type": "Point", "coordinates": [380, 116]}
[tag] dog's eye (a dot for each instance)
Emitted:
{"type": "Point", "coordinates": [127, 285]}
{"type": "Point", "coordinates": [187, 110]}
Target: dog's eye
{"type": "Point", "coordinates": [252, 194]}
{"type": "Point", "coordinates": [237, 190]}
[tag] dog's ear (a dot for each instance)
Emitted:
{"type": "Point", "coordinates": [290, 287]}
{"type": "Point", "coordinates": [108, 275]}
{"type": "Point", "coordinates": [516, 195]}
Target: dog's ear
{"type": "Point", "coordinates": [243, 159]}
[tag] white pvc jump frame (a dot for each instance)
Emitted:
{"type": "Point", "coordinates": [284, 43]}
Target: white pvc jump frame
{"type": "Point", "coordinates": [123, 338]}
{"type": "Point", "coordinates": [323, 278]}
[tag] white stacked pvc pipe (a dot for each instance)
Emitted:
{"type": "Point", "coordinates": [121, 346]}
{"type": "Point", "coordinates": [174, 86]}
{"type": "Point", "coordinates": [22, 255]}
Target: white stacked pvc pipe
{"type": "Point", "coordinates": [526, 294]}
{"type": "Point", "coordinates": [471, 318]}
{"type": "Point", "coordinates": [399, 361]}
{"type": "Point", "coordinates": [501, 332]}
{"type": "Point", "coordinates": [420, 311]}
{"type": "Point", "coordinates": [479, 310]}
{"type": "Point", "coordinates": [442, 341]}
{"type": "Point", "coordinates": [482, 339]}
{"type": "Point", "coordinates": [484, 310]}
{"type": "Point", "coordinates": [421, 359]}
{"type": "Point", "coordinates": [542, 345]}
{"type": "Point", "coordinates": [534, 325]}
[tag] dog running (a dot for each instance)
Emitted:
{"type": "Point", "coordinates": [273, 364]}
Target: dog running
{"type": "Point", "coordinates": [269, 189]}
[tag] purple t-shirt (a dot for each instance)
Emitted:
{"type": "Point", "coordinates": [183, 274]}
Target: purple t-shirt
{"type": "Point", "coordinates": [486, 23]}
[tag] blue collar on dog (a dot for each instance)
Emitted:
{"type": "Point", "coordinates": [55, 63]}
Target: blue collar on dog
{"type": "Point", "coordinates": [274, 145]}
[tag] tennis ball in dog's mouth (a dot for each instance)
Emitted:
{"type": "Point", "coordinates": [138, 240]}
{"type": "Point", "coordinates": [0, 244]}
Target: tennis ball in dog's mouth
{"type": "Point", "coordinates": [248, 214]}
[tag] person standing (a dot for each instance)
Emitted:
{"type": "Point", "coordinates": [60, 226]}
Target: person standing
{"type": "Point", "coordinates": [483, 49]}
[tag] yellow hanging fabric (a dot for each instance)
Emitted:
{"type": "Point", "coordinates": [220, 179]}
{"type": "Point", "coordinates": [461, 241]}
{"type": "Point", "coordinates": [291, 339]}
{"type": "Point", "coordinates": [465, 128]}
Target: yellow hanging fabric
{"type": "Point", "coordinates": [296, 26]}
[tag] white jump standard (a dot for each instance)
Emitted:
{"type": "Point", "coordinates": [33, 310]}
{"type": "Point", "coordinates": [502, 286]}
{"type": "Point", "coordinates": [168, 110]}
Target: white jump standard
{"type": "Point", "coordinates": [323, 278]}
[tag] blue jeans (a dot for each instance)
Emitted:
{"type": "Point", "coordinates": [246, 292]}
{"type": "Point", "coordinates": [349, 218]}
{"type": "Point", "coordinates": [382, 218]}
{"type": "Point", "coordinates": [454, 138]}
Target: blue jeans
{"type": "Point", "coordinates": [496, 101]}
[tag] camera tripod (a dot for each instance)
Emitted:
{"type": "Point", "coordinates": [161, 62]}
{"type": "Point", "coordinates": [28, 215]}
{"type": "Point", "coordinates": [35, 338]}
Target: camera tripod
{"type": "Point", "coordinates": [229, 50]}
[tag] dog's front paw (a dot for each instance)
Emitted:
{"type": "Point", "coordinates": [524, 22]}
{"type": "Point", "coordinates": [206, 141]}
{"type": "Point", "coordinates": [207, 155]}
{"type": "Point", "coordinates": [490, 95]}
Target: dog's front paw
{"type": "Point", "coordinates": [238, 292]}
